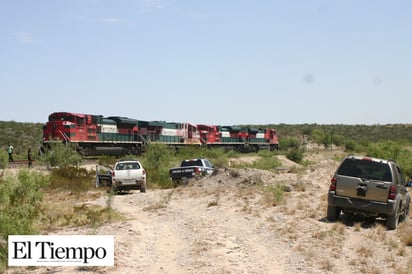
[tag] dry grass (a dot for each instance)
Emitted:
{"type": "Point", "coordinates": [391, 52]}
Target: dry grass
{"type": "Point", "coordinates": [377, 233]}
{"type": "Point", "coordinates": [327, 265]}
{"type": "Point", "coordinates": [405, 233]}
{"type": "Point", "coordinates": [214, 201]}
{"type": "Point", "coordinates": [299, 186]}
{"type": "Point", "coordinates": [73, 211]}
{"type": "Point", "coordinates": [364, 251]}
{"type": "Point", "coordinates": [162, 203]}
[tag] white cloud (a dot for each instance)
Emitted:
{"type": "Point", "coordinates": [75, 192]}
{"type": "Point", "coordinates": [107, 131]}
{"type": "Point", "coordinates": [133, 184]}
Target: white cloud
{"type": "Point", "coordinates": [25, 37]}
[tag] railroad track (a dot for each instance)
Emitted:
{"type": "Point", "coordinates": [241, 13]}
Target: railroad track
{"type": "Point", "coordinates": [19, 163]}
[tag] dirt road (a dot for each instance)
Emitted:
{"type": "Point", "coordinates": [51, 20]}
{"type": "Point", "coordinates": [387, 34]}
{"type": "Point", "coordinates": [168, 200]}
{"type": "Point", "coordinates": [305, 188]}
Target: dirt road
{"type": "Point", "coordinates": [234, 222]}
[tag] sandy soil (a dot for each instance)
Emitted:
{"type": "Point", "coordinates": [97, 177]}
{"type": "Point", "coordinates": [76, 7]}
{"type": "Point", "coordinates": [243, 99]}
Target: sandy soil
{"type": "Point", "coordinates": [233, 223]}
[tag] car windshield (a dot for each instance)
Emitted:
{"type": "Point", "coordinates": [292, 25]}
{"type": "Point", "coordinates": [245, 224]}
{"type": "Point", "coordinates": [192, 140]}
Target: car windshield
{"type": "Point", "coordinates": [365, 169]}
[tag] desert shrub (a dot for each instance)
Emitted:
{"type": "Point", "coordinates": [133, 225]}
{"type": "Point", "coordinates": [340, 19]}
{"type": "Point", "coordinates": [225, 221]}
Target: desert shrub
{"type": "Point", "coordinates": [159, 158]}
{"type": "Point", "coordinates": [338, 139]}
{"type": "Point", "coordinates": [107, 160]}
{"type": "Point", "coordinates": [405, 232]}
{"type": "Point", "coordinates": [321, 137]}
{"type": "Point", "coordinates": [352, 146]}
{"type": "Point", "coordinates": [20, 198]}
{"type": "Point", "coordinates": [3, 159]}
{"type": "Point", "coordinates": [187, 152]}
{"type": "Point", "coordinates": [273, 195]}
{"type": "Point", "coordinates": [71, 178]}
{"type": "Point", "coordinates": [61, 155]}
{"type": "Point", "coordinates": [295, 155]}
{"type": "Point", "coordinates": [69, 214]}
{"type": "Point", "coordinates": [156, 162]}
{"type": "Point", "coordinates": [327, 138]}
{"type": "Point", "coordinates": [22, 136]}
{"type": "Point", "coordinates": [392, 150]}
{"type": "Point", "coordinates": [291, 142]}
{"type": "Point", "coordinates": [267, 161]}
{"type": "Point", "coordinates": [218, 157]}
{"type": "Point", "coordinates": [385, 150]}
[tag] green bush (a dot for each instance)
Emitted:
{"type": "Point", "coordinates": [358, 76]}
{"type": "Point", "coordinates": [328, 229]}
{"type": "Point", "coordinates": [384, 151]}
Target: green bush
{"type": "Point", "coordinates": [395, 151]}
{"type": "Point", "coordinates": [338, 139]}
{"type": "Point", "coordinates": [351, 146]}
{"type": "Point", "coordinates": [20, 197]}
{"type": "Point", "coordinates": [321, 137]}
{"type": "Point", "coordinates": [273, 195]}
{"type": "Point", "coordinates": [4, 159]}
{"type": "Point", "coordinates": [72, 178]}
{"type": "Point", "coordinates": [215, 155]}
{"type": "Point", "coordinates": [266, 163]}
{"type": "Point", "coordinates": [291, 142]}
{"type": "Point", "coordinates": [385, 150]}
{"type": "Point", "coordinates": [156, 162]}
{"type": "Point", "coordinates": [22, 136]}
{"type": "Point", "coordinates": [107, 160]}
{"type": "Point", "coordinates": [61, 155]}
{"type": "Point", "coordinates": [159, 158]}
{"type": "Point", "coordinates": [295, 155]}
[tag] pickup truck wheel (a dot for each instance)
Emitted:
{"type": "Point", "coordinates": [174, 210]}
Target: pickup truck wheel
{"type": "Point", "coordinates": [393, 220]}
{"type": "Point", "coordinates": [333, 213]}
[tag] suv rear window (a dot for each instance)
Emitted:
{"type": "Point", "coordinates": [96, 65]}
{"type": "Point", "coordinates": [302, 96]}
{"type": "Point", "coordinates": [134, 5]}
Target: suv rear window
{"type": "Point", "coordinates": [365, 169]}
{"type": "Point", "coordinates": [124, 166]}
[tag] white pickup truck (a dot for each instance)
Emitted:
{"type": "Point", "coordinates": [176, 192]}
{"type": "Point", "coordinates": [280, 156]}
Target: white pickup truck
{"type": "Point", "coordinates": [128, 175]}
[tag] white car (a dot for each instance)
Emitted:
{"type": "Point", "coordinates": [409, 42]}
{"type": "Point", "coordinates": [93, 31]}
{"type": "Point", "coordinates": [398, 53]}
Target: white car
{"type": "Point", "coordinates": [128, 175]}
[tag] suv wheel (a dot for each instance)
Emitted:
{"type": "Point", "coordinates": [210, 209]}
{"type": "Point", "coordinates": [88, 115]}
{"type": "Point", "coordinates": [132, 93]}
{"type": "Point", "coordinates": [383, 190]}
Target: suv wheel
{"type": "Point", "coordinates": [405, 214]}
{"type": "Point", "coordinates": [393, 220]}
{"type": "Point", "coordinates": [333, 213]}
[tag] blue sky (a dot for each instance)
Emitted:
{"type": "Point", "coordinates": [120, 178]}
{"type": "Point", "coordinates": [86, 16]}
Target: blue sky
{"type": "Point", "coordinates": [220, 62]}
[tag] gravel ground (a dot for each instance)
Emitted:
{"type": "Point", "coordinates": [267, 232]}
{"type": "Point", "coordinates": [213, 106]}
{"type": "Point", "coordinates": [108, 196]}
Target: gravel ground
{"type": "Point", "coordinates": [235, 222]}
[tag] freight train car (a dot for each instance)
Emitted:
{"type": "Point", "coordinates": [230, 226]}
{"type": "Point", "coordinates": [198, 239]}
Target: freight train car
{"type": "Point", "coordinates": [177, 134]}
{"type": "Point", "coordinates": [239, 138]}
{"type": "Point", "coordinates": [115, 135]}
{"type": "Point", "coordinates": [93, 134]}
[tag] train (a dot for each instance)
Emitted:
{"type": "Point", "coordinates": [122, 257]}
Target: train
{"type": "Point", "coordinates": [95, 135]}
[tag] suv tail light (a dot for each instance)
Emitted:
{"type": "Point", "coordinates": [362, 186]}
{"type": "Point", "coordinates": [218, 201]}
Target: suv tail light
{"type": "Point", "coordinates": [392, 192]}
{"type": "Point", "coordinates": [197, 170]}
{"type": "Point", "coordinates": [332, 186]}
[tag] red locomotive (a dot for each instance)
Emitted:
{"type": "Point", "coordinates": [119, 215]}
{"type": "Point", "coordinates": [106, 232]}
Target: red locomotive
{"type": "Point", "coordinates": [98, 135]}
